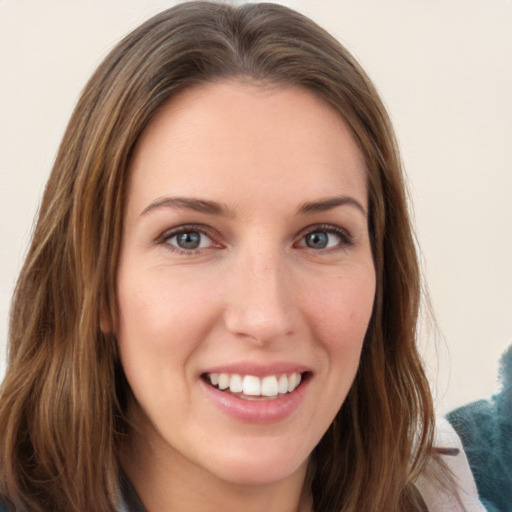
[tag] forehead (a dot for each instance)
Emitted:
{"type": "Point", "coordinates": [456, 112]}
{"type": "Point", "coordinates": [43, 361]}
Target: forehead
{"type": "Point", "coordinates": [217, 135]}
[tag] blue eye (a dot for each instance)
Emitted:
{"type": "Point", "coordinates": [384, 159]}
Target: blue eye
{"type": "Point", "coordinates": [317, 240]}
{"type": "Point", "coordinates": [325, 238]}
{"type": "Point", "coordinates": [188, 240]}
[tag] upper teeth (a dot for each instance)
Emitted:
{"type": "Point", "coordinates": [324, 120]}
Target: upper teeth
{"type": "Point", "coordinates": [271, 385]}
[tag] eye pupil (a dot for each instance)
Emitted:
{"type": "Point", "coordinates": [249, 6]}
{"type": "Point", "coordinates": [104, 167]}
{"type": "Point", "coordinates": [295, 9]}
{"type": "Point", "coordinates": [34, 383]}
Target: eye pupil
{"type": "Point", "coordinates": [189, 240]}
{"type": "Point", "coordinates": [317, 240]}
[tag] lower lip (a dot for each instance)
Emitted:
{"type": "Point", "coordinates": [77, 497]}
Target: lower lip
{"type": "Point", "coordinates": [258, 411]}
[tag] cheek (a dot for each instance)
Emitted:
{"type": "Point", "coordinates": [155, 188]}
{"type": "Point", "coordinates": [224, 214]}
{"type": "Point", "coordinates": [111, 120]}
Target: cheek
{"type": "Point", "coordinates": [159, 303]}
{"type": "Point", "coordinates": [162, 320]}
{"type": "Point", "coordinates": [340, 310]}
{"type": "Point", "coordinates": [338, 313]}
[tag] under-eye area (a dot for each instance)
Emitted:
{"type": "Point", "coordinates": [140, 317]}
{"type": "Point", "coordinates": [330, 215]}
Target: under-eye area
{"type": "Point", "coordinates": [251, 387]}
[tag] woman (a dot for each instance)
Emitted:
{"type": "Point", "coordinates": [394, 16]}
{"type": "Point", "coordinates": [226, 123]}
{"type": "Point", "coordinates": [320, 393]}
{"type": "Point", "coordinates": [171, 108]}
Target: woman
{"type": "Point", "coordinates": [219, 304]}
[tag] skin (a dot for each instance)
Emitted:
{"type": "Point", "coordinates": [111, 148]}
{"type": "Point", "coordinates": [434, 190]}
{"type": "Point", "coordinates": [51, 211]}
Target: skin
{"type": "Point", "coordinates": [254, 292]}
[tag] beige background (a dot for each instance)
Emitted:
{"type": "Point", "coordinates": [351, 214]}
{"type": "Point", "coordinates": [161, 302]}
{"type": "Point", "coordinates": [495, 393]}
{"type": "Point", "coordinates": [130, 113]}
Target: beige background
{"type": "Point", "coordinates": [443, 67]}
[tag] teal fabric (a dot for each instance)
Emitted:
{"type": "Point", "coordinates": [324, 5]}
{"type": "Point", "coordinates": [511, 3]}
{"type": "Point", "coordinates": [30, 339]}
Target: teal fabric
{"type": "Point", "coordinates": [485, 429]}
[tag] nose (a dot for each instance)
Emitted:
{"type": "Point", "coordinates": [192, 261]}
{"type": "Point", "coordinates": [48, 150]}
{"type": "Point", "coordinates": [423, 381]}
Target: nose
{"type": "Point", "coordinates": [261, 306]}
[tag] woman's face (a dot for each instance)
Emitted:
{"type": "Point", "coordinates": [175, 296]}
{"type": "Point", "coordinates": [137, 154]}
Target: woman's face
{"type": "Point", "coordinates": [245, 267]}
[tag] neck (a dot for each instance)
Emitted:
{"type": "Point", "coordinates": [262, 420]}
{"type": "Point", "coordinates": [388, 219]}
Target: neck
{"type": "Point", "coordinates": [165, 481]}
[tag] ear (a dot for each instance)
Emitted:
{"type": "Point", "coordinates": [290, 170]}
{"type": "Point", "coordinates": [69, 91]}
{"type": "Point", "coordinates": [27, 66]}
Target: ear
{"type": "Point", "coordinates": [106, 323]}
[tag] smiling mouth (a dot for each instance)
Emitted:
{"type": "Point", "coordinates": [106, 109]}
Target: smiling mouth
{"type": "Point", "coordinates": [250, 387]}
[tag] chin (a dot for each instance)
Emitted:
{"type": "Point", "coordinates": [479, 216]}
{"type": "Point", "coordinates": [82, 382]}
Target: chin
{"type": "Point", "coordinates": [266, 468]}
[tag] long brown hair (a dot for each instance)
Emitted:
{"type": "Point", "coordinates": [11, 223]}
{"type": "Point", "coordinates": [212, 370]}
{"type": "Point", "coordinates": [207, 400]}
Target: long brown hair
{"type": "Point", "coordinates": [64, 395]}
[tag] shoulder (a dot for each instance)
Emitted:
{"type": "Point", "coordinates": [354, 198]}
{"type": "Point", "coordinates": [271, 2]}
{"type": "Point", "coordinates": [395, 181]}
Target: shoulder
{"type": "Point", "coordinates": [485, 428]}
{"type": "Point", "coordinates": [129, 501]}
{"type": "Point", "coordinates": [474, 422]}
{"type": "Point", "coordinates": [438, 497]}
{"type": "Point", "coordinates": [485, 421]}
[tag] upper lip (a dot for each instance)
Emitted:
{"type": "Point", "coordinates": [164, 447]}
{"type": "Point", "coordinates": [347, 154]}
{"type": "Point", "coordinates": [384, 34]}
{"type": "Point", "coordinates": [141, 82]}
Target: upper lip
{"type": "Point", "coordinates": [259, 370]}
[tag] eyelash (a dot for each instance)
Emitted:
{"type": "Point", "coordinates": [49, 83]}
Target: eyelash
{"type": "Point", "coordinates": [346, 240]}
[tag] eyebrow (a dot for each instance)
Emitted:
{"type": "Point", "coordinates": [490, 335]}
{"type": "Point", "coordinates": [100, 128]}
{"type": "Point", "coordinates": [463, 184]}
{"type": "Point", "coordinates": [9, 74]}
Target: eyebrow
{"type": "Point", "coordinates": [330, 203]}
{"type": "Point", "coordinates": [214, 208]}
{"type": "Point", "coordinates": [189, 203]}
